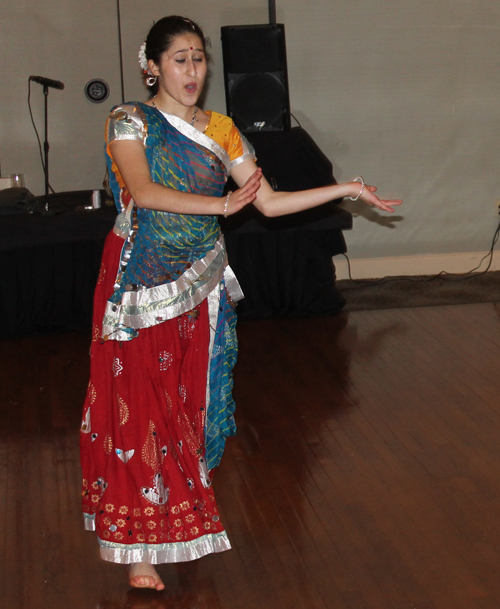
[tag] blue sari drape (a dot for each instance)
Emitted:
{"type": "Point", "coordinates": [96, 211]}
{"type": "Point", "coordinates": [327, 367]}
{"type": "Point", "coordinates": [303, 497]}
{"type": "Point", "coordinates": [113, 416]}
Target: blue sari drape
{"type": "Point", "coordinates": [161, 246]}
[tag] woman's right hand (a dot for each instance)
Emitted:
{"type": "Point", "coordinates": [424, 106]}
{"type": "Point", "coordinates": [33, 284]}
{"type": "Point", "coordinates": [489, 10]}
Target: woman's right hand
{"type": "Point", "coordinates": [243, 196]}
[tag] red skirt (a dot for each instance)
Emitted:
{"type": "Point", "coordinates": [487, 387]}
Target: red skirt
{"type": "Point", "coordinates": [146, 489]}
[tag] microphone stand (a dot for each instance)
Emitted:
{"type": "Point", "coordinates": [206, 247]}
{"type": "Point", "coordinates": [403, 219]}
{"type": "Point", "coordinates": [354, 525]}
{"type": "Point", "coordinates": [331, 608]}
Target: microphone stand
{"type": "Point", "coordinates": [46, 83]}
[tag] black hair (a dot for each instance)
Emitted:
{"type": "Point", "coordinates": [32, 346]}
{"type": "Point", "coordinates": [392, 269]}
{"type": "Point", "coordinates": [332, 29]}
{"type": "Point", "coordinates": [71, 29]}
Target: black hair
{"type": "Point", "coordinates": [163, 32]}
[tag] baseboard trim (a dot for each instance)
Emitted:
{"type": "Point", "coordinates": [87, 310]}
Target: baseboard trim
{"type": "Point", "coordinates": [428, 264]}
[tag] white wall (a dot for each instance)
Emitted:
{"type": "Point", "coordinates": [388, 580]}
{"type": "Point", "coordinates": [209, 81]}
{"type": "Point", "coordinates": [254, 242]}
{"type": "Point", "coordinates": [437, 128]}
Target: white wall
{"type": "Point", "coordinates": [404, 93]}
{"type": "Point", "coordinates": [68, 41]}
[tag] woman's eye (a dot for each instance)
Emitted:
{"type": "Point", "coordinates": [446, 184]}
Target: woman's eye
{"type": "Point", "coordinates": [180, 60]}
{"type": "Point", "coordinates": [198, 59]}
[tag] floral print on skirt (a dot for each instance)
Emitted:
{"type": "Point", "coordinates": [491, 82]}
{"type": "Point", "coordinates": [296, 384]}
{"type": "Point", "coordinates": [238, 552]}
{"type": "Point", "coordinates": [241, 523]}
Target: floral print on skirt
{"type": "Point", "coordinates": [146, 488]}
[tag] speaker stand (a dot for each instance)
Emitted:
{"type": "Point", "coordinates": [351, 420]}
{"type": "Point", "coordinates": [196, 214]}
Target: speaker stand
{"type": "Point", "coordinates": [272, 12]}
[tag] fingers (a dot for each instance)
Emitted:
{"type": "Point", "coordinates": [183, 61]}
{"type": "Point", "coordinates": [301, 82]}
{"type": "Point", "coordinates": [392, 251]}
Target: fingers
{"type": "Point", "coordinates": [383, 204]}
{"type": "Point", "coordinates": [255, 178]}
{"type": "Point", "coordinates": [388, 205]}
{"type": "Point", "coordinates": [256, 174]}
{"type": "Point", "coordinates": [251, 186]}
{"type": "Point", "coordinates": [246, 194]}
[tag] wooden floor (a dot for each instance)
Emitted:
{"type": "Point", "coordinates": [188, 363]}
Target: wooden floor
{"type": "Point", "coordinates": [365, 474]}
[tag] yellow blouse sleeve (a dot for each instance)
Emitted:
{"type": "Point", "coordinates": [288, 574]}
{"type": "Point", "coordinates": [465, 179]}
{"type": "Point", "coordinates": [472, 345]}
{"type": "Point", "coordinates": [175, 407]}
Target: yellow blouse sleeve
{"type": "Point", "coordinates": [222, 130]}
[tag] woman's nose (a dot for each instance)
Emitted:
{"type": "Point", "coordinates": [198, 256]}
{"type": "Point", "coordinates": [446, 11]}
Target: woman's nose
{"type": "Point", "coordinates": [191, 68]}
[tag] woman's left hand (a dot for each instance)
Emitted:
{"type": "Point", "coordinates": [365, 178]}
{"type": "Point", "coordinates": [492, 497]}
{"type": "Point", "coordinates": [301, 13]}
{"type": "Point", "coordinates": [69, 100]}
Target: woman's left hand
{"type": "Point", "coordinates": [369, 197]}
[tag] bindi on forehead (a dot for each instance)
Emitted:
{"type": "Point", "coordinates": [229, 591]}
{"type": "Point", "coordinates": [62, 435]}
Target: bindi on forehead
{"type": "Point", "coordinates": [189, 49]}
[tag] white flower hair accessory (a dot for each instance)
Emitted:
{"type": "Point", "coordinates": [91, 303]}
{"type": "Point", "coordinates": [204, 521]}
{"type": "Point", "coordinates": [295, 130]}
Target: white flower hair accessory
{"type": "Point", "coordinates": [143, 62]}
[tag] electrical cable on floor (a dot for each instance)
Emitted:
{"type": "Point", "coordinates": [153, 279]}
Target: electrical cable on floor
{"type": "Point", "coordinates": [443, 274]}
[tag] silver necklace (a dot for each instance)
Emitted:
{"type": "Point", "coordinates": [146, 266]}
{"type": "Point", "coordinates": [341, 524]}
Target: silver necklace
{"type": "Point", "coordinates": [193, 119]}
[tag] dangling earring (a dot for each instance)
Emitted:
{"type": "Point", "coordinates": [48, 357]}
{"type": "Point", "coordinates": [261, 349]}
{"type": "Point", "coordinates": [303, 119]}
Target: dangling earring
{"type": "Point", "coordinates": [151, 80]}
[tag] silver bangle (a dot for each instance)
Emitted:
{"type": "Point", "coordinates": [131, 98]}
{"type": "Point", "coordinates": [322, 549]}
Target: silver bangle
{"type": "Point", "coordinates": [362, 182]}
{"type": "Point", "coordinates": [225, 204]}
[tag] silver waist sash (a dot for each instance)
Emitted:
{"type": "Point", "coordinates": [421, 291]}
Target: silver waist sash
{"type": "Point", "coordinates": [148, 307]}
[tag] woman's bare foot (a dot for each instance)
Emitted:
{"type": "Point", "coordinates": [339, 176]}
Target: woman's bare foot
{"type": "Point", "coordinates": [144, 575]}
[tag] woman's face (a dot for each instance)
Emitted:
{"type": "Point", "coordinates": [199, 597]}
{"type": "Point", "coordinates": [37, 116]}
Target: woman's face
{"type": "Point", "coordinates": [181, 71]}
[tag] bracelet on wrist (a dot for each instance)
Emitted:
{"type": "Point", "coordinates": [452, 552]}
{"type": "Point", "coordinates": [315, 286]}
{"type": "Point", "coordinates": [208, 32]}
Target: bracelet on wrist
{"type": "Point", "coordinates": [362, 182]}
{"type": "Point", "coordinates": [226, 204]}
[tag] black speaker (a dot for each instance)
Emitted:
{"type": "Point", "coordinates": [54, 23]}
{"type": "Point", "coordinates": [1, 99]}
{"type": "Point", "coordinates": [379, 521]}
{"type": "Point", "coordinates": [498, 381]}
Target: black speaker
{"type": "Point", "coordinates": [255, 76]}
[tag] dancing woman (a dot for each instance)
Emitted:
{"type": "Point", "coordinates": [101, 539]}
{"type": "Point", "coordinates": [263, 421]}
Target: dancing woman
{"type": "Point", "coordinates": [159, 407]}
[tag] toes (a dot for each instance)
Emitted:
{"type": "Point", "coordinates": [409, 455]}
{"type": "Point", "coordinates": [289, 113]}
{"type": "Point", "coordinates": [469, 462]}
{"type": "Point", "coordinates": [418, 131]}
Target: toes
{"type": "Point", "coordinates": [142, 581]}
{"type": "Point", "coordinates": [149, 578]}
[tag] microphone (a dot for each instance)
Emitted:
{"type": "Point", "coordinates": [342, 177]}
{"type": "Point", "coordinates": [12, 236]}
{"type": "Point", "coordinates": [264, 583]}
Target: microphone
{"type": "Point", "coordinates": [41, 80]}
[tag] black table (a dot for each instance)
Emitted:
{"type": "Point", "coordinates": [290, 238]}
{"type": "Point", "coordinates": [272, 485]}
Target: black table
{"type": "Point", "coordinates": [49, 267]}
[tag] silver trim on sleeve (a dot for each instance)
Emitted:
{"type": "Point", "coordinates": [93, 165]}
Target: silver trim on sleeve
{"type": "Point", "coordinates": [127, 122]}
